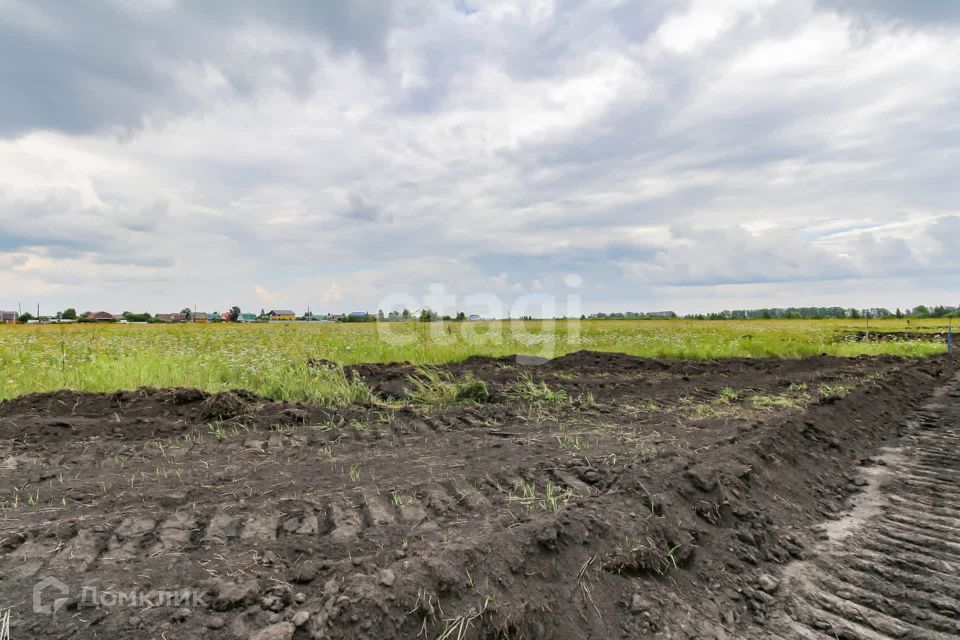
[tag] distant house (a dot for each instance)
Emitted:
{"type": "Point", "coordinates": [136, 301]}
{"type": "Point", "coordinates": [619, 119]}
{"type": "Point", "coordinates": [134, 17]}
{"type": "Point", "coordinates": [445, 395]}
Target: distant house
{"type": "Point", "coordinates": [333, 317]}
{"type": "Point", "coordinates": [225, 315]}
{"type": "Point", "coordinates": [101, 316]}
{"type": "Point", "coordinates": [473, 317]}
{"type": "Point", "coordinates": [171, 317]}
{"type": "Point", "coordinates": [201, 317]}
{"type": "Point", "coordinates": [359, 314]}
{"type": "Point", "coordinates": [281, 314]}
{"type": "Point", "coordinates": [247, 317]}
{"type": "Point", "coordinates": [8, 317]}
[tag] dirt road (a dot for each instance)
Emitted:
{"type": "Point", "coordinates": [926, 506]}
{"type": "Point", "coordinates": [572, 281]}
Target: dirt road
{"type": "Point", "coordinates": [891, 567]}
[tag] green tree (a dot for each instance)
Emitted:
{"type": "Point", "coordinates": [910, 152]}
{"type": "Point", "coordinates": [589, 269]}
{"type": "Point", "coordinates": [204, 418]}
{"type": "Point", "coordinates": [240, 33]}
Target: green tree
{"type": "Point", "coordinates": [234, 314]}
{"type": "Point", "coordinates": [69, 314]}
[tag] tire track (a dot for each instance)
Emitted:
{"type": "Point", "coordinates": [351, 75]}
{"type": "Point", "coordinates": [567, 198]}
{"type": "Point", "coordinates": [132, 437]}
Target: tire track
{"type": "Point", "coordinates": [891, 567]}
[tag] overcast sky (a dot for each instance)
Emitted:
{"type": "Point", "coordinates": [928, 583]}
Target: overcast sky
{"type": "Point", "coordinates": [646, 155]}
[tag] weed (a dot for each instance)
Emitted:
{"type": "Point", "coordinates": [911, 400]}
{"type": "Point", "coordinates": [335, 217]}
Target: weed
{"type": "Point", "coordinates": [456, 628]}
{"type": "Point", "coordinates": [642, 556]}
{"type": "Point", "coordinates": [836, 390]}
{"type": "Point", "coordinates": [774, 402]}
{"type": "Point", "coordinates": [728, 394]}
{"type": "Point", "coordinates": [435, 387]}
{"type": "Point", "coordinates": [528, 390]}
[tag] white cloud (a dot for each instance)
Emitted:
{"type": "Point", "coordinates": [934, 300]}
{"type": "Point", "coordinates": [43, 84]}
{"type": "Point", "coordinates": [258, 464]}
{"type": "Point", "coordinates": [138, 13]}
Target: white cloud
{"type": "Point", "coordinates": [334, 156]}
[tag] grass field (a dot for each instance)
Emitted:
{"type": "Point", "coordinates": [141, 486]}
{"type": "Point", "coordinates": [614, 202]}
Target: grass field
{"type": "Point", "coordinates": [271, 359]}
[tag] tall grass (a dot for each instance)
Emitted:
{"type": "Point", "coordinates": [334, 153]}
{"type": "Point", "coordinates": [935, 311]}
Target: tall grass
{"type": "Point", "coordinates": [272, 359]}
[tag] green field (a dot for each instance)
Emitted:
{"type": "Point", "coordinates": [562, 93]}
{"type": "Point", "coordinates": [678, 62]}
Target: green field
{"type": "Point", "coordinates": [271, 359]}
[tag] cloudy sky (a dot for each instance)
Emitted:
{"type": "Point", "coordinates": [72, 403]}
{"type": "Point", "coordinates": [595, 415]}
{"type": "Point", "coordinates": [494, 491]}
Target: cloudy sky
{"type": "Point", "coordinates": [700, 155]}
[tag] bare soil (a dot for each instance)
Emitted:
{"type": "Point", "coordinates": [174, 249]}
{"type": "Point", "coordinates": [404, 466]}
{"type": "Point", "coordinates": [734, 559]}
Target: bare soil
{"type": "Point", "coordinates": [593, 496]}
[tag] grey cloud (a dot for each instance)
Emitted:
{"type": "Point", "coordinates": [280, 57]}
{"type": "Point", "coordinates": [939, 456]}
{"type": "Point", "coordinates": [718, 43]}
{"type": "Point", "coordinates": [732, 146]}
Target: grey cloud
{"type": "Point", "coordinates": [52, 222]}
{"type": "Point", "coordinates": [360, 209]}
{"type": "Point", "coordinates": [100, 67]}
{"type": "Point", "coordinates": [917, 12]}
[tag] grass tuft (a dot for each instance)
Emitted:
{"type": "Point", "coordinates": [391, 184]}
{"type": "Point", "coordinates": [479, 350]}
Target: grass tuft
{"type": "Point", "coordinates": [528, 390]}
{"type": "Point", "coordinates": [438, 388]}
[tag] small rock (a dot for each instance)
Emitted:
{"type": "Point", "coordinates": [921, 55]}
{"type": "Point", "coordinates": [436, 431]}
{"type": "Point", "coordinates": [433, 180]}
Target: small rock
{"type": "Point", "coordinates": [215, 622]}
{"type": "Point", "coordinates": [300, 618]}
{"type": "Point", "coordinates": [547, 537]}
{"type": "Point", "coordinates": [639, 604]}
{"type": "Point", "coordinates": [232, 595]}
{"type": "Point", "coordinates": [330, 587]}
{"type": "Point", "coordinates": [305, 572]}
{"type": "Point", "coordinates": [181, 614]}
{"type": "Point", "coordinates": [768, 584]}
{"type": "Point", "coordinates": [387, 577]}
{"type": "Point", "coordinates": [273, 603]}
{"type": "Point", "coordinates": [300, 597]}
{"type": "Point", "coordinates": [278, 631]}
{"type": "Point", "coordinates": [591, 476]}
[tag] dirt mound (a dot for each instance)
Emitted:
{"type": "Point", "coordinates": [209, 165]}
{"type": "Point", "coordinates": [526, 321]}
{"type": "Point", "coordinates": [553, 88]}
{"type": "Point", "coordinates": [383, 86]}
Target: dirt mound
{"type": "Point", "coordinates": [596, 495]}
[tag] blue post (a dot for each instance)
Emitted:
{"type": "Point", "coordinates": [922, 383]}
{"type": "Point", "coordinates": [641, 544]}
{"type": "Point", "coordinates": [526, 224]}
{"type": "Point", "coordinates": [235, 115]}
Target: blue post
{"type": "Point", "coordinates": [949, 336]}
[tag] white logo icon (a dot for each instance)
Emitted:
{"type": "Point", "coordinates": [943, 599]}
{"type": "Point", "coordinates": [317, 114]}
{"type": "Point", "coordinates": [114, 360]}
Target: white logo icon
{"type": "Point", "coordinates": [38, 596]}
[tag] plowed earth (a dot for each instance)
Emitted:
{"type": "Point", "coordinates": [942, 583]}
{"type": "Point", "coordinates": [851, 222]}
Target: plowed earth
{"type": "Point", "coordinates": [593, 496]}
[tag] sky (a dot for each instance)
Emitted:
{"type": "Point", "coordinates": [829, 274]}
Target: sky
{"type": "Point", "coordinates": [692, 155]}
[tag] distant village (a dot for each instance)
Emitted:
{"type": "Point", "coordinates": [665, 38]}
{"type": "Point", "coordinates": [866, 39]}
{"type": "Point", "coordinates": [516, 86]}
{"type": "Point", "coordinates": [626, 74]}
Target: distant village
{"type": "Point", "coordinates": [427, 315]}
{"type": "Point", "coordinates": [233, 315]}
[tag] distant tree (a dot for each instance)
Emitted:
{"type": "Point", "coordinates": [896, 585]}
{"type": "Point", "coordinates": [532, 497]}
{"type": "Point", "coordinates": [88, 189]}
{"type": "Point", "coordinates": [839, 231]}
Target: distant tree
{"type": "Point", "coordinates": [899, 313]}
{"type": "Point", "coordinates": [24, 317]}
{"type": "Point", "coordinates": [405, 315]}
{"type": "Point", "coordinates": [234, 314]}
{"type": "Point", "coordinates": [137, 317]}
{"type": "Point", "coordinates": [854, 314]}
{"type": "Point", "coordinates": [427, 316]}
{"type": "Point", "coordinates": [69, 314]}
{"type": "Point", "coordinates": [461, 316]}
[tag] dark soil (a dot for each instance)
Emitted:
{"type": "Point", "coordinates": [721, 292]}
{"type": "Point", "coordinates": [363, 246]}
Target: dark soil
{"type": "Point", "coordinates": [621, 498]}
